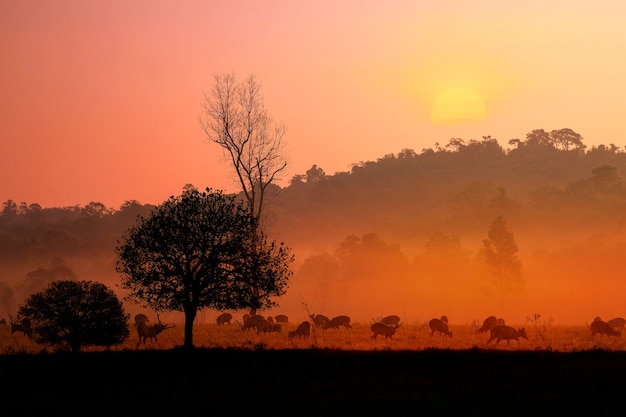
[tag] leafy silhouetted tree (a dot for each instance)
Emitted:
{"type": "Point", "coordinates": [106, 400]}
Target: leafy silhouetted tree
{"type": "Point", "coordinates": [539, 137]}
{"type": "Point", "coordinates": [567, 139]}
{"type": "Point", "coordinates": [500, 252]}
{"type": "Point", "coordinates": [76, 314]}
{"type": "Point", "coordinates": [605, 181]}
{"type": "Point", "coordinates": [200, 250]}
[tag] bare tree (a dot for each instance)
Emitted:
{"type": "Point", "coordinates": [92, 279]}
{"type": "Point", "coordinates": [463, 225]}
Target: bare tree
{"type": "Point", "coordinates": [234, 116]}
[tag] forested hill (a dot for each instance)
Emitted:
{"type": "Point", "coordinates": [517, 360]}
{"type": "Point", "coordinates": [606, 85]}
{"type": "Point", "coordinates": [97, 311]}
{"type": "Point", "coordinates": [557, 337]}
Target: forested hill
{"type": "Point", "coordinates": [459, 189]}
{"type": "Point", "coordinates": [549, 187]}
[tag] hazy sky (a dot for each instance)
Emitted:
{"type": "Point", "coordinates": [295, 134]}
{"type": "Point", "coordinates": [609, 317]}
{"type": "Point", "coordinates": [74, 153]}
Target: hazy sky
{"type": "Point", "coordinates": [100, 99]}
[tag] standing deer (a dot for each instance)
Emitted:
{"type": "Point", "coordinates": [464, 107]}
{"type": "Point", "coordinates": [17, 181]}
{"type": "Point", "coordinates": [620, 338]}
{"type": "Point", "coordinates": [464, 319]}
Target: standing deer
{"type": "Point", "coordinates": [382, 329]}
{"type": "Point", "coordinates": [147, 330]}
{"type": "Point", "coordinates": [508, 333]}
{"type": "Point", "coordinates": [439, 325]}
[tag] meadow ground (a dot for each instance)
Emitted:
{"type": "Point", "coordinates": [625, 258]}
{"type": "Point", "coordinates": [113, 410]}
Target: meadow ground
{"type": "Point", "coordinates": [344, 372]}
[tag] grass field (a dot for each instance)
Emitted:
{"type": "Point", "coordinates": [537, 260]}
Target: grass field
{"type": "Point", "coordinates": [338, 372]}
{"type": "Point", "coordinates": [415, 336]}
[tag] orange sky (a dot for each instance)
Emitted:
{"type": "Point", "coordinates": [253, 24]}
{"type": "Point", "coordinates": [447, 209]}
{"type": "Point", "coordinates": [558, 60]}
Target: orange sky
{"type": "Point", "coordinates": [100, 100]}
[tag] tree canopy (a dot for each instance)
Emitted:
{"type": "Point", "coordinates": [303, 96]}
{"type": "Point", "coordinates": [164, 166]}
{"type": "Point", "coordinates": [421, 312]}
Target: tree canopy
{"type": "Point", "coordinates": [201, 250]}
{"type": "Point", "coordinates": [76, 314]}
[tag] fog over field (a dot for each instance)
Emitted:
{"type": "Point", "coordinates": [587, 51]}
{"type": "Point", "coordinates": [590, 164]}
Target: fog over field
{"type": "Point", "coordinates": [401, 235]}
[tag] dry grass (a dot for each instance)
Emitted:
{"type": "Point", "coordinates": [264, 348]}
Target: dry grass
{"type": "Point", "coordinates": [413, 336]}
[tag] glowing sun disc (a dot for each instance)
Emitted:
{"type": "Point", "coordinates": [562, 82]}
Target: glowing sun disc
{"type": "Point", "coordinates": [458, 105]}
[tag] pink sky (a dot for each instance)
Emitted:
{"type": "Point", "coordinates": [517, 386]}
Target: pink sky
{"type": "Point", "coordinates": [100, 100]}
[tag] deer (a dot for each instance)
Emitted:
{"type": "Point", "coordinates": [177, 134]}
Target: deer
{"type": "Point", "coordinates": [319, 320]}
{"type": "Point", "coordinates": [599, 326]}
{"type": "Point", "coordinates": [250, 322]}
{"type": "Point", "coordinates": [147, 330]}
{"type": "Point", "coordinates": [281, 318]}
{"type": "Point", "coordinates": [488, 324]}
{"type": "Point", "coordinates": [260, 323]}
{"type": "Point", "coordinates": [3, 321]}
{"type": "Point", "coordinates": [508, 333]}
{"type": "Point", "coordinates": [339, 321]}
{"type": "Point", "coordinates": [439, 325]}
{"type": "Point", "coordinates": [224, 318]}
{"type": "Point", "coordinates": [25, 326]}
{"type": "Point", "coordinates": [267, 326]}
{"type": "Point", "coordinates": [303, 330]}
{"type": "Point", "coordinates": [382, 329]}
{"type": "Point", "coordinates": [391, 320]}
{"type": "Point", "coordinates": [617, 323]}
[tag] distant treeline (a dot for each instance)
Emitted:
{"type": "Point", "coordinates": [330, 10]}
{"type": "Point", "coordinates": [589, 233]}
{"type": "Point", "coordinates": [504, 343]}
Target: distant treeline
{"type": "Point", "coordinates": [550, 182]}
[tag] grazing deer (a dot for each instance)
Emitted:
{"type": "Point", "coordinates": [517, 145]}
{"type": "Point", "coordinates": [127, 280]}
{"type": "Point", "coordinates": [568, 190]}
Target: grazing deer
{"type": "Point", "coordinates": [25, 326]}
{"type": "Point", "coordinates": [392, 320]}
{"type": "Point", "coordinates": [617, 323]}
{"type": "Point", "coordinates": [598, 326]}
{"type": "Point", "coordinates": [319, 320]}
{"type": "Point", "coordinates": [260, 324]}
{"type": "Point", "coordinates": [303, 330]}
{"type": "Point", "coordinates": [250, 322]}
{"type": "Point", "coordinates": [507, 333]}
{"type": "Point", "coordinates": [439, 325]}
{"type": "Point", "coordinates": [267, 326]}
{"type": "Point", "coordinates": [339, 321]}
{"type": "Point", "coordinates": [281, 318]}
{"type": "Point", "coordinates": [488, 324]}
{"type": "Point", "coordinates": [383, 329]}
{"type": "Point", "coordinates": [147, 330]}
{"type": "Point", "coordinates": [223, 319]}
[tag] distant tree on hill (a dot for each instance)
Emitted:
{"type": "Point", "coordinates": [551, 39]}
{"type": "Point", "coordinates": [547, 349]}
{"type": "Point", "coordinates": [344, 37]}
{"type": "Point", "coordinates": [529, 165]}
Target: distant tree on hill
{"type": "Point", "coordinates": [500, 252]}
{"type": "Point", "coordinates": [567, 139]}
{"type": "Point", "coordinates": [315, 174]}
{"type": "Point", "coordinates": [539, 137]}
{"type": "Point", "coordinates": [40, 278]}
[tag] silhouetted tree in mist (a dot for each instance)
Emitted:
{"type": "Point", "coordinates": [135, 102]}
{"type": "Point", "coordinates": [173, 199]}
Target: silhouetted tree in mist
{"type": "Point", "coordinates": [75, 314]}
{"type": "Point", "coordinates": [500, 252]}
{"type": "Point", "coordinates": [40, 278]}
{"type": "Point", "coordinates": [7, 299]}
{"type": "Point", "coordinates": [197, 250]}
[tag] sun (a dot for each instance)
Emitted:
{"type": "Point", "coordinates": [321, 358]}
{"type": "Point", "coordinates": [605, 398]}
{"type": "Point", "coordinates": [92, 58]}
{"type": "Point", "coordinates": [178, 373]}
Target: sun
{"type": "Point", "coordinates": [458, 105]}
